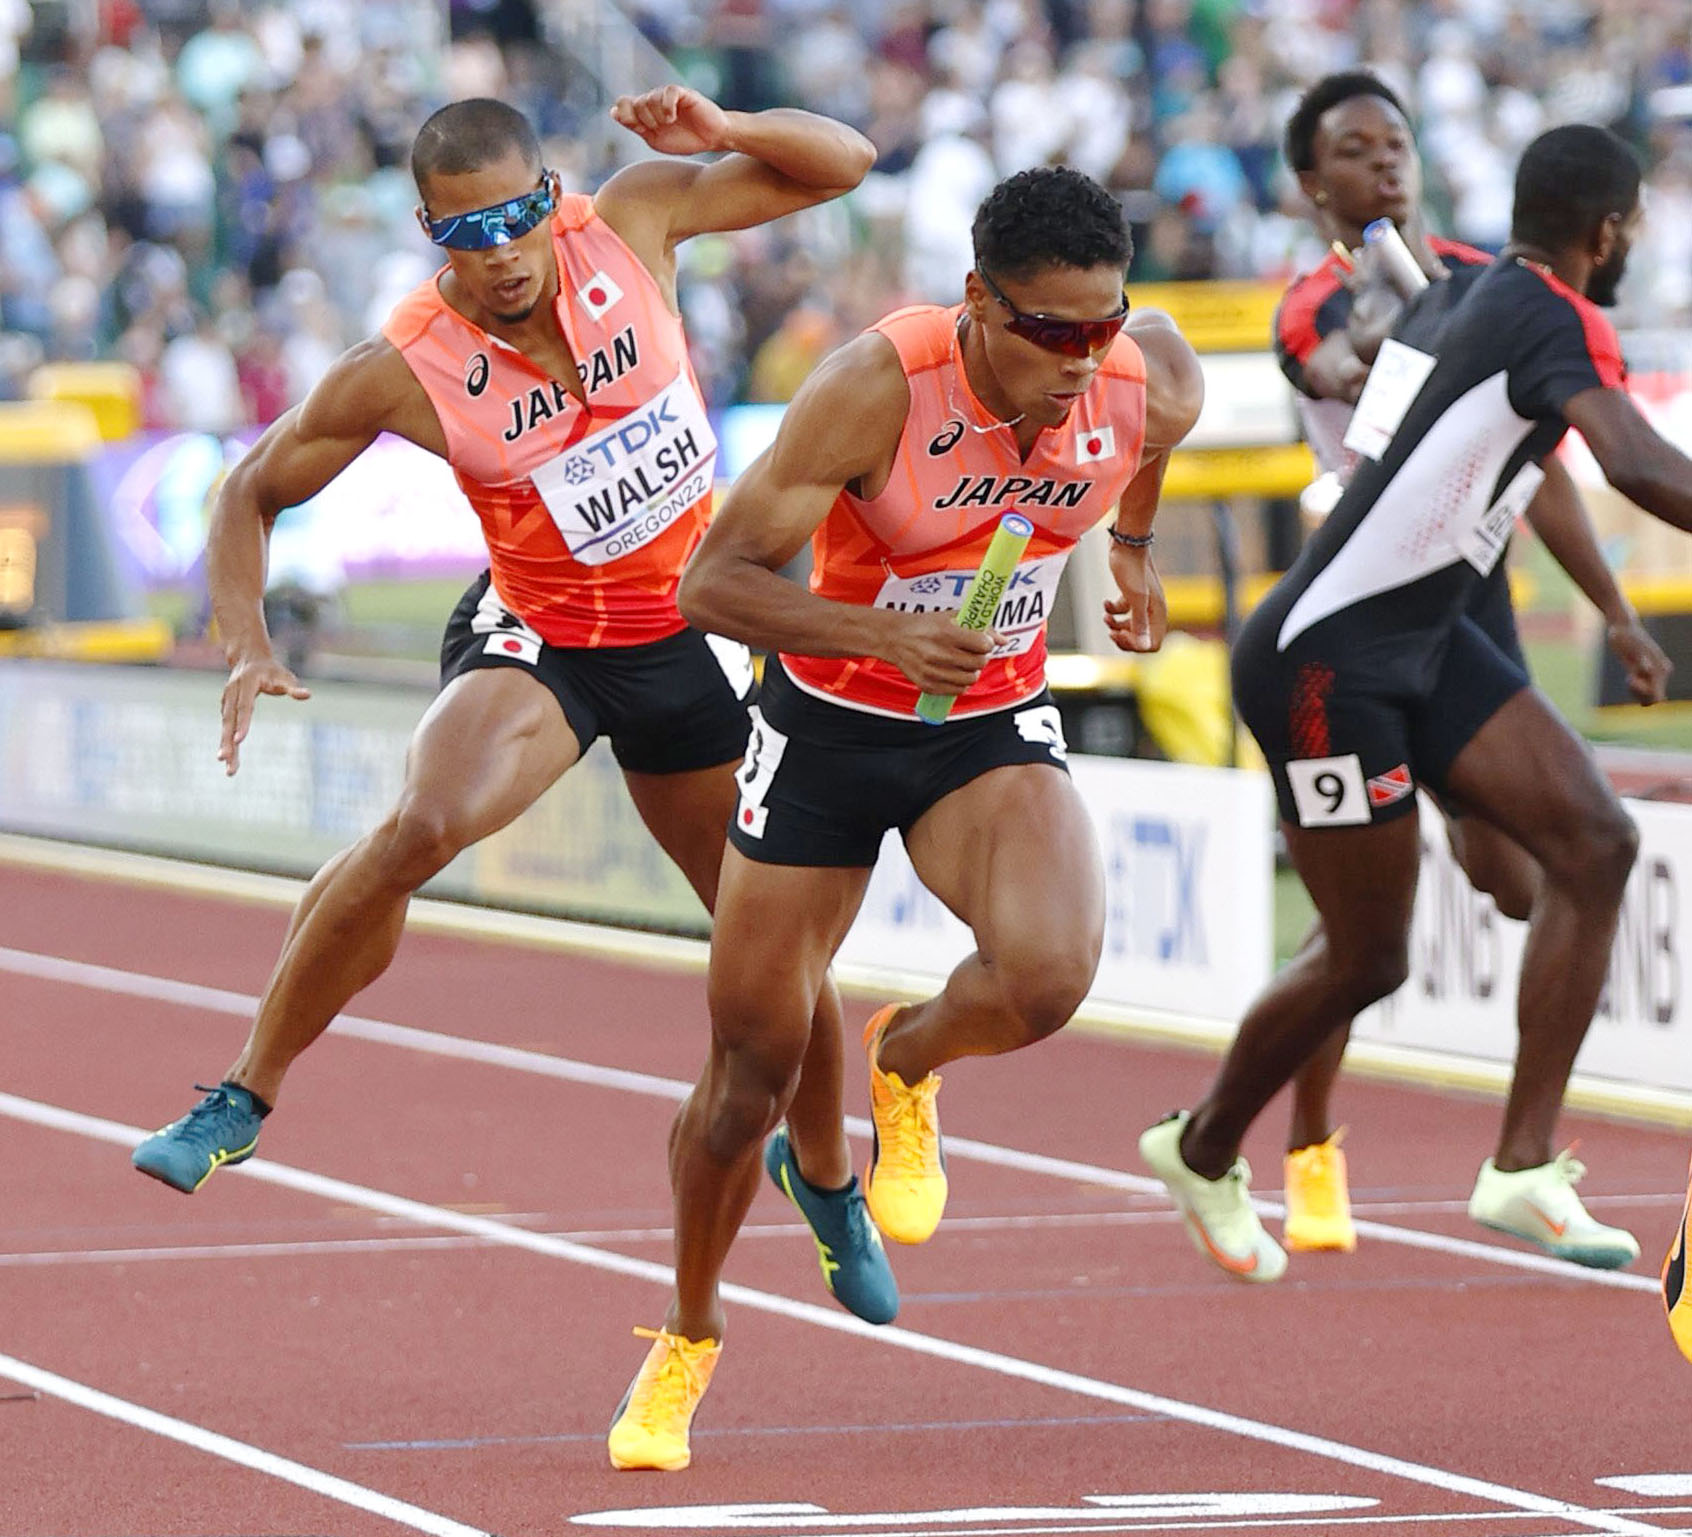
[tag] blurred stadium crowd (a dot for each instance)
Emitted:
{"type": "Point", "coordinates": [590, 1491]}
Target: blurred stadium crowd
{"type": "Point", "coordinates": [217, 191]}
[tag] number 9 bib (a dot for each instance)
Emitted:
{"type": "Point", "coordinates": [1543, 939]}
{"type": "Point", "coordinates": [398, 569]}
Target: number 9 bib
{"type": "Point", "coordinates": [1329, 792]}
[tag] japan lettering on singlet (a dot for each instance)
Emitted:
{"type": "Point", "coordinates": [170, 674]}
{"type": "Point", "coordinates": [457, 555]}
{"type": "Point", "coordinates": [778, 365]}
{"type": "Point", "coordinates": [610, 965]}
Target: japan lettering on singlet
{"type": "Point", "coordinates": [916, 546]}
{"type": "Point", "coordinates": [590, 513]}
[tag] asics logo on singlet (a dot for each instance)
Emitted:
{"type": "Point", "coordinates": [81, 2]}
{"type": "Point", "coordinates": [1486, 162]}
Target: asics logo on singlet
{"type": "Point", "coordinates": [996, 490]}
{"type": "Point", "coordinates": [476, 375]}
{"type": "Point", "coordinates": [945, 439]}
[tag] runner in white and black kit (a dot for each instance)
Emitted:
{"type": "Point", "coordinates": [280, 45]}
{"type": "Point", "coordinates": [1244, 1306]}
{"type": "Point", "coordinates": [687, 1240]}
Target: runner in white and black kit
{"type": "Point", "coordinates": [1349, 142]}
{"type": "Point", "coordinates": [1363, 676]}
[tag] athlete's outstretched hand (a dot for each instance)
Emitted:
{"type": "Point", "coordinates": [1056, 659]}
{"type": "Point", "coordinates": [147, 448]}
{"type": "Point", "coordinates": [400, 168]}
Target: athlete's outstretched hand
{"type": "Point", "coordinates": [1646, 663]}
{"type": "Point", "coordinates": [1138, 618]}
{"type": "Point", "coordinates": [674, 120]}
{"type": "Point", "coordinates": [247, 680]}
{"type": "Point", "coordinates": [936, 653]}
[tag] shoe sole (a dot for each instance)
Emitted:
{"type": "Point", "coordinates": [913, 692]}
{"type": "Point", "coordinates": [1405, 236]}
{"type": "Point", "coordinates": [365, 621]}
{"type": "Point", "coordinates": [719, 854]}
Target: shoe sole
{"type": "Point", "coordinates": [1589, 1259]}
{"type": "Point", "coordinates": [219, 1159]}
{"type": "Point", "coordinates": [1319, 1245]}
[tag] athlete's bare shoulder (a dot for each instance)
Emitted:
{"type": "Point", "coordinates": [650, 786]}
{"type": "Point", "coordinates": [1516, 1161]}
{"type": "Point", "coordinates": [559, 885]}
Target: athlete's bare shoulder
{"type": "Point", "coordinates": [368, 390]}
{"type": "Point", "coordinates": [850, 413]}
{"type": "Point", "coordinates": [1174, 378]}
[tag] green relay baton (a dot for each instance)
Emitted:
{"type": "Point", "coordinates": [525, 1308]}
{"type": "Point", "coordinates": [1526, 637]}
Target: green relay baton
{"type": "Point", "coordinates": [981, 601]}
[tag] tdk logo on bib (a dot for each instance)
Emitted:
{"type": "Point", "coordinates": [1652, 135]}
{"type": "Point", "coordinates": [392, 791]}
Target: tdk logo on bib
{"type": "Point", "coordinates": [1022, 611]}
{"type": "Point", "coordinates": [623, 486]}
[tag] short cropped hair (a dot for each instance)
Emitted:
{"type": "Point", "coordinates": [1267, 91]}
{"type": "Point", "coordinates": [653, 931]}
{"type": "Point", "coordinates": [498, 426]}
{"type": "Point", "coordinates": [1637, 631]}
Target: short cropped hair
{"type": "Point", "coordinates": [1570, 179]}
{"type": "Point", "coordinates": [1326, 94]}
{"type": "Point", "coordinates": [1051, 216]}
{"type": "Point", "coordinates": [467, 135]}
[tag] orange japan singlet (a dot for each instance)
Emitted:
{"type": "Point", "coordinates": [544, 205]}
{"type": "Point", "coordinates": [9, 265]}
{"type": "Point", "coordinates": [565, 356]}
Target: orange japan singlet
{"type": "Point", "coordinates": [957, 472]}
{"type": "Point", "coordinates": [590, 513]}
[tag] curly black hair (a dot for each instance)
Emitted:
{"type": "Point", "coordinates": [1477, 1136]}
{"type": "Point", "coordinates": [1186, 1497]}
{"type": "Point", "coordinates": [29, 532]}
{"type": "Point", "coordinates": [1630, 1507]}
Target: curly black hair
{"type": "Point", "coordinates": [467, 135]}
{"type": "Point", "coordinates": [1051, 216]}
{"type": "Point", "coordinates": [1327, 93]}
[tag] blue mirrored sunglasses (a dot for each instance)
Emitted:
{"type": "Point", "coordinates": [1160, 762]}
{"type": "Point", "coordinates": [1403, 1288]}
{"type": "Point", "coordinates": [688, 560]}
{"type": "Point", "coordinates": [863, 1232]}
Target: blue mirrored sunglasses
{"type": "Point", "coordinates": [483, 228]}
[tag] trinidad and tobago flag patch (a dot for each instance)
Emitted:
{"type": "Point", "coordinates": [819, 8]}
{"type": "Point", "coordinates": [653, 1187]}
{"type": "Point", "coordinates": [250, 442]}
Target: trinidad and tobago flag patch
{"type": "Point", "coordinates": [1391, 786]}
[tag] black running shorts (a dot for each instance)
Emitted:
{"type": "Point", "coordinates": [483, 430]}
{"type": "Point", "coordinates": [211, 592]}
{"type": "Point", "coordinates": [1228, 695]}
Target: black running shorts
{"type": "Point", "coordinates": [1342, 750]}
{"type": "Point", "coordinates": [822, 783]}
{"type": "Point", "coordinates": [668, 707]}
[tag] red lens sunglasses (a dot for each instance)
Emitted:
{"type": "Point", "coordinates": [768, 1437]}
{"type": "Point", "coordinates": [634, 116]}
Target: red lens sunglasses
{"type": "Point", "coordinates": [1072, 338]}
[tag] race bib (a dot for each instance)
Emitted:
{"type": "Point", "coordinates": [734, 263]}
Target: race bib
{"type": "Point", "coordinates": [621, 487]}
{"type": "Point", "coordinates": [1329, 792]}
{"type": "Point", "coordinates": [1022, 611]}
{"type": "Point", "coordinates": [1393, 383]}
{"type": "Point", "coordinates": [1483, 542]}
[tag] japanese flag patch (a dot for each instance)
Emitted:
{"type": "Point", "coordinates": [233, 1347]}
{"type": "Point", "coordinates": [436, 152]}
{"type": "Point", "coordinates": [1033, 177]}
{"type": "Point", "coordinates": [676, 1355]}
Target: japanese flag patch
{"type": "Point", "coordinates": [1099, 443]}
{"type": "Point", "coordinates": [598, 294]}
{"type": "Point", "coordinates": [519, 645]}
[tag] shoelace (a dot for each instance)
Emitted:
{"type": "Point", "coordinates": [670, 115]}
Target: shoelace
{"type": "Point", "coordinates": [217, 1099]}
{"type": "Point", "coordinates": [860, 1231]}
{"type": "Point", "coordinates": [1569, 1167]}
{"type": "Point", "coordinates": [913, 1147]}
{"type": "Point", "coordinates": [667, 1395]}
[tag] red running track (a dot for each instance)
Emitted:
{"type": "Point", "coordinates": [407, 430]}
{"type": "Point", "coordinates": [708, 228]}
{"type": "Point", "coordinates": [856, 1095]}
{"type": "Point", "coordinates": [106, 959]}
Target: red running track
{"type": "Point", "coordinates": [413, 1313]}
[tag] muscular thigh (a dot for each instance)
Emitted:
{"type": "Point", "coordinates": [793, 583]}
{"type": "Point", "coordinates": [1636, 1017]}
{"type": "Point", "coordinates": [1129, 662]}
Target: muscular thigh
{"type": "Point", "coordinates": [1527, 772]}
{"type": "Point", "coordinates": [1013, 854]}
{"type": "Point", "coordinates": [775, 932]}
{"type": "Point", "coordinates": [1480, 672]}
{"type": "Point", "coordinates": [492, 741]}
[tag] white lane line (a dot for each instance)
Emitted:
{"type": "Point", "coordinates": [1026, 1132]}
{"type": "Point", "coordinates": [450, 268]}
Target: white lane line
{"type": "Point", "coordinates": [52, 968]}
{"type": "Point", "coordinates": [347, 1194]}
{"type": "Point", "coordinates": [600, 941]}
{"type": "Point", "coordinates": [340, 1490]}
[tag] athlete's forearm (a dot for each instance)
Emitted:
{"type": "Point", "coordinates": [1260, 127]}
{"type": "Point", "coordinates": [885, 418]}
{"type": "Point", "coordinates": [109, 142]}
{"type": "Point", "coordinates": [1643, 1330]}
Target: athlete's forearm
{"type": "Point", "coordinates": [1558, 515]}
{"type": "Point", "coordinates": [811, 150]}
{"type": "Point", "coordinates": [729, 595]}
{"type": "Point", "coordinates": [237, 549]}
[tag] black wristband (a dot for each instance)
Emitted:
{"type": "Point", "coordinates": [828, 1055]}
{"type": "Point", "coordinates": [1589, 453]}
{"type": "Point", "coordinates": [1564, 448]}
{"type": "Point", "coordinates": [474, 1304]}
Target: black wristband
{"type": "Point", "coordinates": [1133, 541]}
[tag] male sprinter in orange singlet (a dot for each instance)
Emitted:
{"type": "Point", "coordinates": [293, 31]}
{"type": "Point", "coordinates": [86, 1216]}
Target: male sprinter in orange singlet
{"type": "Point", "coordinates": [546, 362]}
{"type": "Point", "coordinates": [901, 453]}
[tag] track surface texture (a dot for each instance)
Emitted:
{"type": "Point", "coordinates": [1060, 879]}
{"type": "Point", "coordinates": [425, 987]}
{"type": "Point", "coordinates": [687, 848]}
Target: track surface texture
{"type": "Point", "coordinates": [412, 1312]}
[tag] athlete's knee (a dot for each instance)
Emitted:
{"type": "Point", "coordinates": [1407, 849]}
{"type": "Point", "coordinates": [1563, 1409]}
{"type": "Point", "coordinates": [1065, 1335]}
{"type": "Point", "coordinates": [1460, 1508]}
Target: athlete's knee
{"type": "Point", "coordinates": [420, 838]}
{"type": "Point", "coordinates": [1367, 975]}
{"type": "Point", "coordinates": [754, 1083]}
{"type": "Point", "coordinates": [1596, 855]}
{"type": "Point", "coordinates": [1044, 990]}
